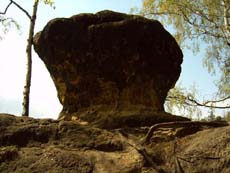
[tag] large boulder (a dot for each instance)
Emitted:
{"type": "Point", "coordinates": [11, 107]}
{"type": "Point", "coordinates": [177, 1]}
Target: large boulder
{"type": "Point", "coordinates": [109, 61]}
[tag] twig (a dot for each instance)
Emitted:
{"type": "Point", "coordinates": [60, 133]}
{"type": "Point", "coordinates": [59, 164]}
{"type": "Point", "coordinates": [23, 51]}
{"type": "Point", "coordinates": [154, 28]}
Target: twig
{"type": "Point", "coordinates": [185, 160]}
{"type": "Point", "coordinates": [146, 156]}
{"type": "Point", "coordinates": [17, 5]}
{"type": "Point", "coordinates": [192, 102]}
{"type": "Point", "coordinates": [21, 8]}
{"type": "Point", "coordinates": [212, 157]}
{"type": "Point", "coordinates": [141, 150]}
{"type": "Point", "coordinates": [3, 13]}
{"type": "Point", "coordinates": [177, 124]}
{"type": "Point", "coordinates": [178, 165]}
{"type": "Point", "coordinates": [208, 102]}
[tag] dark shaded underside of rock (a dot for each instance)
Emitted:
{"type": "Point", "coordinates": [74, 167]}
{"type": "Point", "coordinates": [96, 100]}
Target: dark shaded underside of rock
{"type": "Point", "coordinates": [109, 62]}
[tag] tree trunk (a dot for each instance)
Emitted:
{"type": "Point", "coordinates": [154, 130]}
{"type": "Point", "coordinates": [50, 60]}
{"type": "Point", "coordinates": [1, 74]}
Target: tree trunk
{"type": "Point", "coordinates": [26, 92]}
{"type": "Point", "coordinates": [226, 21]}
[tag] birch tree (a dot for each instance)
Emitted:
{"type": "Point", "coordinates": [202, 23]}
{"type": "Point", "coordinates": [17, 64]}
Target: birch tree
{"type": "Point", "coordinates": [32, 18]}
{"type": "Point", "coordinates": [197, 22]}
{"type": "Point", "coordinates": [205, 22]}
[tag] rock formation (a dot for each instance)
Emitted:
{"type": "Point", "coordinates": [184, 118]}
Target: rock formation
{"type": "Point", "coordinates": [112, 72]}
{"type": "Point", "coordinates": [36, 146]}
{"type": "Point", "coordinates": [109, 62]}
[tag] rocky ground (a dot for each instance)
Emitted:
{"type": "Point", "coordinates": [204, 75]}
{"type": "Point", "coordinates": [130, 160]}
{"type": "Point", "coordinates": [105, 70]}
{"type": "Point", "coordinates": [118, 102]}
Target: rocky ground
{"type": "Point", "coordinates": [45, 145]}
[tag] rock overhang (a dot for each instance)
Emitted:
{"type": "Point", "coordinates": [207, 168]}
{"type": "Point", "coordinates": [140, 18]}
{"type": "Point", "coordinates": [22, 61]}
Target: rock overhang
{"type": "Point", "coordinates": [110, 60]}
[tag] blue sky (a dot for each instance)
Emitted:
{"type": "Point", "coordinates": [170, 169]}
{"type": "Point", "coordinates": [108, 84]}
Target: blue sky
{"type": "Point", "coordinates": [44, 102]}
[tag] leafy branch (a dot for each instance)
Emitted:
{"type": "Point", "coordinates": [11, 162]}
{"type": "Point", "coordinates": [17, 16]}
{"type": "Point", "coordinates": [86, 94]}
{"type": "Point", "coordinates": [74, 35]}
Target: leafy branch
{"type": "Point", "coordinates": [210, 103]}
{"type": "Point", "coordinates": [190, 101]}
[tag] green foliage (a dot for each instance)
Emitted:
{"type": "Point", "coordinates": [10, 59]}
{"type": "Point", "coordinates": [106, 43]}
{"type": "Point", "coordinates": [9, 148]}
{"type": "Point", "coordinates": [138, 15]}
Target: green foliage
{"type": "Point", "coordinates": [224, 85]}
{"type": "Point", "coordinates": [197, 22]}
{"type": "Point", "coordinates": [178, 102]}
{"type": "Point", "coordinates": [49, 2]}
{"type": "Point", "coordinates": [6, 24]}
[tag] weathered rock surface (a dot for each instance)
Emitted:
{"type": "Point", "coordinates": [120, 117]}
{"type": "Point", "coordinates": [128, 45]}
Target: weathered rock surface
{"type": "Point", "coordinates": [109, 63]}
{"type": "Point", "coordinates": [30, 145]}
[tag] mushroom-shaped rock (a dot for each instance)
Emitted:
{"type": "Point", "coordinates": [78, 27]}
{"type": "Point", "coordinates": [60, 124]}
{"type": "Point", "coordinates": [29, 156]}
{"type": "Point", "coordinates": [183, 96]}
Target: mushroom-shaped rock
{"type": "Point", "coordinates": [109, 62]}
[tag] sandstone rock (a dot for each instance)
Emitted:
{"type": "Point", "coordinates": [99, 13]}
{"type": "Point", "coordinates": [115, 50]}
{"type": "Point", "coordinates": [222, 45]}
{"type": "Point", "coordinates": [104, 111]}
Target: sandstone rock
{"type": "Point", "coordinates": [66, 146]}
{"type": "Point", "coordinates": [109, 61]}
{"type": "Point", "coordinates": [32, 145]}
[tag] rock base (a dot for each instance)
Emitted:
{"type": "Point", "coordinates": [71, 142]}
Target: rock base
{"type": "Point", "coordinates": [33, 145]}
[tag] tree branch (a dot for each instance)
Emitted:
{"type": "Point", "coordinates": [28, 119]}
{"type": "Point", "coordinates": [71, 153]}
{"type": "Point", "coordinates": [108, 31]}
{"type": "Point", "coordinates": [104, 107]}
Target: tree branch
{"type": "Point", "coordinates": [205, 104]}
{"type": "Point", "coordinates": [7, 7]}
{"type": "Point", "coordinates": [203, 28]}
{"type": "Point", "coordinates": [162, 13]}
{"type": "Point", "coordinates": [141, 150]}
{"type": "Point", "coordinates": [216, 101]}
{"type": "Point", "coordinates": [192, 102]}
{"type": "Point", "coordinates": [198, 13]}
{"type": "Point", "coordinates": [21, 8]}
{"type": "Point", "coordinates": [18, 6]}
{"type": "Point", "coordinates": [224, 30]}
{"type": "Point", "coordinates": [226, 22]}
{"type": "Point", "coordinates": [177, 124]}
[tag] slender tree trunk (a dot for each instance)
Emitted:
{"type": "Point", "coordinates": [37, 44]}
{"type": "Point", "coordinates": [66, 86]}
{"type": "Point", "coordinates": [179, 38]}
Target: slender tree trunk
{"type": "Point", "coordinates": [226, 21]}
{"type": "Point", "coordinates": [26, 92]}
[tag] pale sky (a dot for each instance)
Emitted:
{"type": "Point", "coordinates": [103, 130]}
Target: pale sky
{"type": "Point", "coordinates": [44, 102]}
